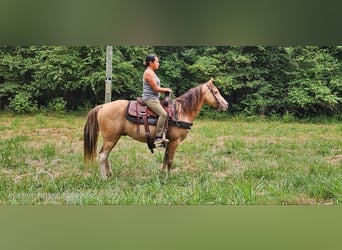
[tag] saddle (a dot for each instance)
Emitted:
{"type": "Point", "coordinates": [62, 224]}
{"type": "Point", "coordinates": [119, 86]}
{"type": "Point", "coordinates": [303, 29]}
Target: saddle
{"type": "Point", "coordinates": [137, 109]}
{"type": "Point", "coordinates": [139, 113]}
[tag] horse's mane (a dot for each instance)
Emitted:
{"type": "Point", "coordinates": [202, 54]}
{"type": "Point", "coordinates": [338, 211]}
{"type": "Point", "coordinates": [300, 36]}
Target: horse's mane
{"type": "Point", "coordinates": [190, 100]}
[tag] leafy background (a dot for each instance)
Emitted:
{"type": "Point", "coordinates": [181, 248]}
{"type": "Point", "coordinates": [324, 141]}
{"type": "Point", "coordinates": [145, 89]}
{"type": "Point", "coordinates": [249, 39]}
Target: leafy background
{"type": "Point", "coordinates": [256, 80]}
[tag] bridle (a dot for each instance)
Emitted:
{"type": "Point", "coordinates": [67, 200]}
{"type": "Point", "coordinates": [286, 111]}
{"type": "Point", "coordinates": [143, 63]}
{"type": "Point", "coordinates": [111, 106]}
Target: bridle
{"type": "Point", "coordinates": [212, 92]}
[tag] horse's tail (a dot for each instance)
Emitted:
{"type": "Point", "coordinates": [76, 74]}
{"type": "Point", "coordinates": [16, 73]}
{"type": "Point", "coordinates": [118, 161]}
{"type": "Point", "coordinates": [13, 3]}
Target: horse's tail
{"type": "Point", "coordinates": [90, 135]}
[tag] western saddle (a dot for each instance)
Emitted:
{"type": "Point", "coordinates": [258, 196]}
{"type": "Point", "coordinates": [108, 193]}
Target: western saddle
{"type": "Point", "coordinates": [139, 113]}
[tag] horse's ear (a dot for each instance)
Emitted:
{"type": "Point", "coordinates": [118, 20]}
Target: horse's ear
{"type": "Point", "coordinates": [211, 81]}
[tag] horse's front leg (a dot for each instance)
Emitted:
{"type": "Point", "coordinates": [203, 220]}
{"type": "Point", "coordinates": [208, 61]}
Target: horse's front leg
{"type": "Point", "coordinates": [169, 154]}
{"type": "Point", "coordinates": [166, 157]}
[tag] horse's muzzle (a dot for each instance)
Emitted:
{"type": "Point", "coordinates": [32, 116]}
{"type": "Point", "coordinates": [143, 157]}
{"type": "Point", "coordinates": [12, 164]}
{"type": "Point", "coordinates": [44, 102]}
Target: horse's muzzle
{"type": "Point", "coordinates": [223, 106]}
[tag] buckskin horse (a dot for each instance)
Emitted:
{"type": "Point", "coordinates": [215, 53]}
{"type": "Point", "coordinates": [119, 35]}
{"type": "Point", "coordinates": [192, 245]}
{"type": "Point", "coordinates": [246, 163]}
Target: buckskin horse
{"type": "Point", "coordinates": [110, 119]}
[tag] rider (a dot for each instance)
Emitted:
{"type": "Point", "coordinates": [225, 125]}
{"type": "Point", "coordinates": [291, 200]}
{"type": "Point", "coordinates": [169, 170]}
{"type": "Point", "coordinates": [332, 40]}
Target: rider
{"type": "Point", "coordinates": [151, 95]}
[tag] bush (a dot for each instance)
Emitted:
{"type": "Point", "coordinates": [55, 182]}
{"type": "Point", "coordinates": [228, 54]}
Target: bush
{"type": "Point", "coordinates": [21, 103]}
{"type": "Point", "coordinates": [57, 105]}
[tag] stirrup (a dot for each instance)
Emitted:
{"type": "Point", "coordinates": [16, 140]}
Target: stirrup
{"type": "Point", "coordinates": [164, 139]}
{"type": "Point", "coordinates": [160, 140]}
{"type": "Point", "coordinates": [160, 143]}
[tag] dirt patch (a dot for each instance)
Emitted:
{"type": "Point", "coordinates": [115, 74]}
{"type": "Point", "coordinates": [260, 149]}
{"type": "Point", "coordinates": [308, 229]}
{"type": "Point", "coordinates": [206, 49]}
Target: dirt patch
{"type": "Point", "coordinates": [335, 160]}
{"type": "Point", "coordinates": [52, 132]}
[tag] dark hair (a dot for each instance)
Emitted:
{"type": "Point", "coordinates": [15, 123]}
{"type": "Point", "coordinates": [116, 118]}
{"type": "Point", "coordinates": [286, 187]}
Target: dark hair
{"type": "Point", "coordinates": [149, 58]}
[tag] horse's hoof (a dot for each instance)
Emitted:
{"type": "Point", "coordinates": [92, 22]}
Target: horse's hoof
{"type": "Point", "coordinates": [106, 176]}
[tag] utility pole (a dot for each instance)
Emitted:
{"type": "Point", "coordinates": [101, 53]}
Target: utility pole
{"type": "Point", "coordinates": [108, 87]}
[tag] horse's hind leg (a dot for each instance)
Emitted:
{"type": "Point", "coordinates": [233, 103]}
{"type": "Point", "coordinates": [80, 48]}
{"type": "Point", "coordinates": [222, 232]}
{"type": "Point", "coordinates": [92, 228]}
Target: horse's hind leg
{"type": "Point", "coordinates": [105, 167]}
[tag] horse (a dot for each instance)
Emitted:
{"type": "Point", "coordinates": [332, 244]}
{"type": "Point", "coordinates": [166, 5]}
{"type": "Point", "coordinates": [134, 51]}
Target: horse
{"type": "Point", "coordinates": [110, 120]}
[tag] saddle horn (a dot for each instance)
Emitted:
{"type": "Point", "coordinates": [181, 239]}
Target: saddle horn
{"type": "Point", "coordinates": [167, 99]}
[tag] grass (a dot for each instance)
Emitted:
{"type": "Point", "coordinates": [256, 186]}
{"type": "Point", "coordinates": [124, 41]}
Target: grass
{"type": "Point", "coordinates": [233, 161]}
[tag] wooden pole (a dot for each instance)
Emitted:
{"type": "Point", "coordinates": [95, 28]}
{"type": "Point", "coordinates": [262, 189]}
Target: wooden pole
{"type": "Point", "coordinates": [108, 86]}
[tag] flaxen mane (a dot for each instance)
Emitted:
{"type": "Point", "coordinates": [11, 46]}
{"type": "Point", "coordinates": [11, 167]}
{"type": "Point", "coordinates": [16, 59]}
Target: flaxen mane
{"type": "Point", "coordinates": [189, 100]}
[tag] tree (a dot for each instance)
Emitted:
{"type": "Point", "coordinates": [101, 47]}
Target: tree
{"type": "Point", "coordinates": [316, 84]}
{"type": "Point", "coordinates": [266, 80]}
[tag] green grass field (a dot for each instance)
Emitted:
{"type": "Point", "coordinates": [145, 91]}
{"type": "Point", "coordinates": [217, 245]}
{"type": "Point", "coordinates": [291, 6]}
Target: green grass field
{"type": "Point", "coordinates": [235, 161]}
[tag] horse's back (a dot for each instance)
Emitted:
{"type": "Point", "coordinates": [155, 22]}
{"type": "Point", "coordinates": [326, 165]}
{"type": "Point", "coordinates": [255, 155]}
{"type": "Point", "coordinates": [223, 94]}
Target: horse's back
{"type": "Point", "coordinates": [111, 116]}
{"type": "Point", "coordinates": [113, 109]}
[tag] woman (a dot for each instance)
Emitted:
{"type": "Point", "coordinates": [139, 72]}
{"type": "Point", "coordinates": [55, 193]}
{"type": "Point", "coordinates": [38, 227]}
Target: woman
{"type": "Point", "coordinates": [151, 95]}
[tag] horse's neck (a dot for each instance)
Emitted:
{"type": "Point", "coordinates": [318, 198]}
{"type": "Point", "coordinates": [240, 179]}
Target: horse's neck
{"type": "Point", "coordinates": [189, 107]}
{"type": "Point", "coordinates": [188, 116]}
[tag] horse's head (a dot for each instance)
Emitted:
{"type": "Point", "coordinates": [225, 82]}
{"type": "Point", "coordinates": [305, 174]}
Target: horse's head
{"type": "Point", "coordinates": [212, 96]}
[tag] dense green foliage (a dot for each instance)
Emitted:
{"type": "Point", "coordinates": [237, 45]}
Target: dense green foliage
{"type": "Point", "coordinates": [258, 80]}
